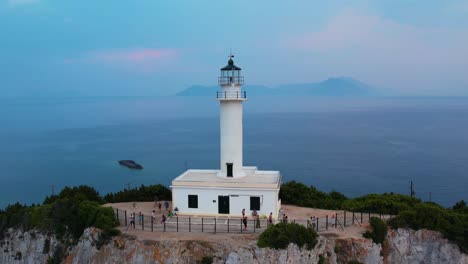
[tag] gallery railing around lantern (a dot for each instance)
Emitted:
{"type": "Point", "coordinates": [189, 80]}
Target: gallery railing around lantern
{"type": "Point", "coordinates": [229, 80]}
{"type": "Point", "coordinates": [231, 95]}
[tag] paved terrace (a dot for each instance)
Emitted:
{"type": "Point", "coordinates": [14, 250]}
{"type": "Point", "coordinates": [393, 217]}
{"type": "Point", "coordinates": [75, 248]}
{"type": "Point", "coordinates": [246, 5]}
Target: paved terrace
{"type": "Point", "coordinates": [330, 222]}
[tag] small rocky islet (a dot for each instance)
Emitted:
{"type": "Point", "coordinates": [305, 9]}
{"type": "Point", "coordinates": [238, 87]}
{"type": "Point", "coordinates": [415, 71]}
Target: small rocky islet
{"type": "Point", "coordinates": [131, 164]}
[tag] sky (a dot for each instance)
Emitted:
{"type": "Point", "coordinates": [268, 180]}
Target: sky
{"type": "Point", "coordinates": [151, 47]}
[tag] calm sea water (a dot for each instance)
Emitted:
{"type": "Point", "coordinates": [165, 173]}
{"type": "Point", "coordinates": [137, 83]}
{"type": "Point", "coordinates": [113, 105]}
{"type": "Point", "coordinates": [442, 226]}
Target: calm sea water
{"type": "Point", "coordinates": [355, 146]}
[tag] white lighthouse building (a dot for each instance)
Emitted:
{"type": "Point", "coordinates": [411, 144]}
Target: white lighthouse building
{"type": "Point", "coordinates": [232, 187]}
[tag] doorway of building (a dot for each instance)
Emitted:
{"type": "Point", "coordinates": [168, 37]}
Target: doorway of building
{"type": "Point", "coordinates": [223, 204]}
{"type": "Point", "coordinates": [229, 169]}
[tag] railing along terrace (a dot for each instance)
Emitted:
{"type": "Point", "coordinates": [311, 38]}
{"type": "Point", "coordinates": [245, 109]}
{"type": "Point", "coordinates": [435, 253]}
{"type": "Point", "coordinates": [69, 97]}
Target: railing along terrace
{"type": "Point", "coordinates": [225, 80]}
{"type": "Point", "coordinates": [338, 220]}
{"type": "Point", "coordinates": [231, 95]}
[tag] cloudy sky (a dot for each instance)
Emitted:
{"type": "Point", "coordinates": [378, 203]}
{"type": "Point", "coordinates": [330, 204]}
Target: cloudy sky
{"type": "Point", "coordinates": [114, 48]}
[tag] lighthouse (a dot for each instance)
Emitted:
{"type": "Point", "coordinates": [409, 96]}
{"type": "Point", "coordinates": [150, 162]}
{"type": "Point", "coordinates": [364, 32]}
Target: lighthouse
{"type": "Point", "coordinates": [230, 99]}
{"type": "Point", "coordinates": [233, 187]}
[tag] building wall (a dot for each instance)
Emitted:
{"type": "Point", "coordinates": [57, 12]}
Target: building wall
{"type": "Point", "coordinates": [238, 199]}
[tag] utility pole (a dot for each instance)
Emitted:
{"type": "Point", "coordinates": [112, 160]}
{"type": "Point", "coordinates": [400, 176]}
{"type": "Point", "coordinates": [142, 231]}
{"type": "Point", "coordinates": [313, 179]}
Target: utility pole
{"type": "Point", "coordinates": [52, 188]}
{"type": "Point", "coordinates": [412, 193]}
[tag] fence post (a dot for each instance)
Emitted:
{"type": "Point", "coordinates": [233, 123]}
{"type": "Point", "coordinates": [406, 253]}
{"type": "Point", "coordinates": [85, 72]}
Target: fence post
{"type": "Point", "coordinates": [125, 218]}
{"type": "Point", "coordinates": [241, 225]}
{"type": "Point", "coordinates": [353, 217]}
{"type": "Point", "coordinates": [317, 224]}
{"type": "Point", "coordinates": [326, 225]}
{"type": "Point", "coordinates": [152, 222]}
{"type": "Point", "coordinates": [177, 220]}
{"type": "Point", "coordinates": [344, 219]}
{"type": "Point", "coordinates": [202, 224]}
{"type": "Point", "coordinates": [254, 224]}
{"type": "Point", "coordinates": [142, 222]}
{"type": "Point", "coordinates": [189, 225]}
{"type": "Point", "coordinates": [228, 225]}
{"type": "Point", "coordinates": [117, 213]}
{"type": "Point", "coordinates": [336, 219]}
{"type": "Point", "coordinates": [215, 225]}
{"type": "Point", "coordinates": [164, 226]}
{"type": "Point", "coordinates": [361, 216]}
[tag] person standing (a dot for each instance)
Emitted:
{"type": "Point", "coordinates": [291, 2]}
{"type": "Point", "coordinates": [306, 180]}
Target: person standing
{"type": "Point", "coordinates": [314, 222]}
{"type": "Point", "coordinates": [244, 220]}
{"type": "Point", "coordinates": [159, 206]}
{"type": "Point", "coordinates": [153, 215]}
{"type": "Point", "coordinates": [140, 218]}
{"type": "Point", "coordinates": [166, 205]}
{"type": "Point", "coordinates": [163, 219]}
{"type": "Point", "coordinates": [270, 218]}
{"type": "Point", "coordinates": [243, 213]}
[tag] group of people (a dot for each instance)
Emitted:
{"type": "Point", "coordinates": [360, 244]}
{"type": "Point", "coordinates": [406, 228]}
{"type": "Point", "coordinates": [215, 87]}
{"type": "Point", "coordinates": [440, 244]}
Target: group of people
{"type": "Point", "coordinates": [163, 219]}
{"type": "Point", "coordinates": [313, 221]}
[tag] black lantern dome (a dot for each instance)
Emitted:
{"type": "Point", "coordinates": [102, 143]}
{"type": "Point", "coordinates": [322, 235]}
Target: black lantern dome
{"type": "Point", "coordinates": [231, 74]}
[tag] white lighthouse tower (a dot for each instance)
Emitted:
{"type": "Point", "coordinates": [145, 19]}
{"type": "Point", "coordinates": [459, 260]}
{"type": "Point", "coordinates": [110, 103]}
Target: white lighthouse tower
{"type": "Point", "coordinates": [233, 187]}
{"type": "Point", "coordinates": [230, 98]}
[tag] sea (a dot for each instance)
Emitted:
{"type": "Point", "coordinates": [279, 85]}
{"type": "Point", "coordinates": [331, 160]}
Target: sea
{"type": "Point", "coordinates": [352, 145]}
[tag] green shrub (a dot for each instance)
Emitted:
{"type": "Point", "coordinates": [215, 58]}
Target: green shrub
{"type": "Point", "coordinates": [141, 194]}
{"type": "Point", "coordinates": [299, 194]}
{"type": "Point", "coordinates": [206, 260]}
{"type": "Point", "coordinates": [280, 235]}
{"type": "Point", "coordinates": [379, 230]}
{"type": "Point", "coordinates": [452, 224]}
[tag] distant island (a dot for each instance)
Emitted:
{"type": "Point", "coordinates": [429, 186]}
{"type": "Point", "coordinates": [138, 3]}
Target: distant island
{"type": "Point", "coordinates": [340, 86]}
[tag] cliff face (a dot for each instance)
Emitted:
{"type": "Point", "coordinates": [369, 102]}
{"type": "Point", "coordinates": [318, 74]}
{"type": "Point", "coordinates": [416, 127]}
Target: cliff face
{"type": "Point", "coordinates": [422, 246]}
{"type": "Point", "coordinates": [404, 246]}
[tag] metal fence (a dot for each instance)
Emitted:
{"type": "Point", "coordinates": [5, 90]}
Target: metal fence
{"type": "Point", "coordinates": [340, 220]}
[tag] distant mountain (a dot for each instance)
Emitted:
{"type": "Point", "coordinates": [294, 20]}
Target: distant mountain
{"type": "Point", "coordinates": [342, 86]}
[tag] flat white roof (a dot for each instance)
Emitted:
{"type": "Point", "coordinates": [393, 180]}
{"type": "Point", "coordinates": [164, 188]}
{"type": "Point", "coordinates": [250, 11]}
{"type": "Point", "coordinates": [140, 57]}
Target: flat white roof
{"type": "Point", "coordinates": [210, 178]}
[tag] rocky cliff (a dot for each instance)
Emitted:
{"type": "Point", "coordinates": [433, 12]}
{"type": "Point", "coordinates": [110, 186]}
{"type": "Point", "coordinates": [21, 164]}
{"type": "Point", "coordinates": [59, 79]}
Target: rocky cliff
{"type": "Point", "coordinates": [404, 246]}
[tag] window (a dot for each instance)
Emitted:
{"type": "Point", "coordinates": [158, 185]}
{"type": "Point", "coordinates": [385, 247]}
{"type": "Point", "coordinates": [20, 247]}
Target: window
{"type": "Point", "coordinates": [255, 203]}
{"type": "Point", "coordinates": [192, 201]}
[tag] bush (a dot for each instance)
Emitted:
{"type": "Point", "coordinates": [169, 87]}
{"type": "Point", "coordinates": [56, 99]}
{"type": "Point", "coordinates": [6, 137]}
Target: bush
{"type": "Point", "coordinates": [299, 194]}
{"type": "Point", "coordinates": [452, 224]}
{"type": "Point", "coordinates": [379, 230]}
{"type": "Point", "coordinates": [280, 235]}
{"type": "Point", "coordinates": [381, 203]}
{"type": "Point", "coordinates": [142, 194]}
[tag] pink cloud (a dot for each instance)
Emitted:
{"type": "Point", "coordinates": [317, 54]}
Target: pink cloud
{"type": "Point", "coordinates": [132, 56]}
{"type": "Point", "coordinates": [141, 60]}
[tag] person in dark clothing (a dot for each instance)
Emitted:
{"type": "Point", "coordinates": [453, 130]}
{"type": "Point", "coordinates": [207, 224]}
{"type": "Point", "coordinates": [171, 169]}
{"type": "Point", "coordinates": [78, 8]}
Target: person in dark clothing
{"type": "Point", "coordinates": [245, 223]}
{"type": "Point", "coordinates": [270, 218]}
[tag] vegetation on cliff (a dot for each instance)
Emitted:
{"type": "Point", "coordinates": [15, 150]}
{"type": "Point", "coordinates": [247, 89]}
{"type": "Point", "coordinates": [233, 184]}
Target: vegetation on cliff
{"type": "Point", "coordinates": [379, 230]}
{"type": "Point", "coordinates": [66, 214]}
{"type": "Point", "coordinates": [141, 194]}
{"type": "Point", "coordinates": [409, 212]}
{"type": "Point", "coordinates": [279, 236]}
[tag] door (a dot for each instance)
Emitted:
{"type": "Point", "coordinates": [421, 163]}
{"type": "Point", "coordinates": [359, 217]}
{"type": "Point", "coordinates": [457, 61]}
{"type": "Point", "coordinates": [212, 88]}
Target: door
{"type": "Point", "coordinates": [223, 204]}
{"type": "Point", "coordinates": [229, 169]}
